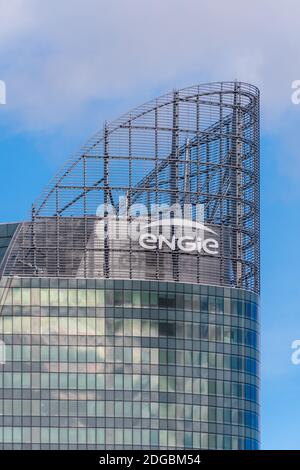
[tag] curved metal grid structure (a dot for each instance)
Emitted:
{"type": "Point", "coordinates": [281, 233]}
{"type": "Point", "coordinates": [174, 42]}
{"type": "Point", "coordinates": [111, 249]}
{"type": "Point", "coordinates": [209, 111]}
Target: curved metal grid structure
{"type": "Point", "coordinates": [198, 145]}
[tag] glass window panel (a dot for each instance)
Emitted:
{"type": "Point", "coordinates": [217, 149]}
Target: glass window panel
{"type": "Point", "coordinates": [109, 298]}
{"type": "Point", "coordinates": [17, 328]}
{"type": "Point", "coordinates": [136, 382]}
{"type": "Point", "coordinates": [188, 385]}
{"type": "Point", "coordinates": [127, 299]}
{"type": "Point", "coordinates": [188, 440]}
{"type": "Point", "coordinates": [204, 440]}
{"type": "Point", "coordinates": [188, 358]}
{"type": "Point", "coordinates": [166, 329]}
{"type": "Point", "coordinates": [171, 357]}
{"type": "Point", "coordinates": [171, 384]}
{"type": "Point", "coordinates": [180, 384]}
{"type": "Point", "coordinates": [109, 326]}
{"type": "Point", "coordinates": [26, 353]}
{"type": "Point", "coordinates": [154, 356]}
{"type": "Point", "coordinates": [219, 305]}
{"type": "Point", "coordinates": [154, 328]}
{"type": "Point", "coordinates": [119, 381]}
{"type": "Point", "coordinates": [53, 297]}
{"type": "Point", "coordinates": [212, 387]}
{"type": "Point", "coordinates": [211, 304]}
{"type": "Point", "coordinates": [127, 354]}
{"type": "Point", "coordinates": [145, 352]}
{"type": "Point", "coordinates": [35, 325]}
{"type": "Point", "coordinates": [136, 410]}
{"type": "Point", "coordinates": [136, 327]}
{"type": "Point", "coordinates": [54, 354]}
{"type": "Point", "coordinates": [145, 437]}
{"type": "Point", "coordinates": [145, 410]}
{"type": "Point", "coordinates": [26, 325]}
{"type": "Point", "coordinates": [154, 382]}
{"type": "Point", "coordinates": [196, 386]}
{"type": "Point", "coordinates": [110, 353]}
{"type": "Point", "coordinates": [100, 436]}
{"type": "Point", "coordinates": [128, 409]}
{"type": "Point", "coordinates": [204, 359]}
{"type": "Point", "coordinates": [212, 332]}
{"type": "Point", "coordinates": [204, 303]}
{"type": "Point", "coordinates": [163, 410]}
{"type": "Point", "coordinates": [227, 362]}
{"type": "Point", "coordinates": [100, 330]}
{"type": "Point", "coordinates": [219, 361]}
{"type": "Point", "coordinates": [63, 298]}
{"type": "Point", "coordinates": [196, 413]}
{"type": "Point", "coordinates": [100, 354]}
{"type": "Point", "coordinates": [91, 298]}
{"type": "Point", "coordinates": [180, 301]}
{"type": "Point", "coordinates": [212, 360]}
{"type": "Point", "coordinates": [81, 297]}
{"type": "Point", "coordinates": [81, 326]}
{"type": "Point", "coordinates": [44, 297]}
{"type": "Point", "coordinates": [188, 301]}
{"type": "Point", "coordinates": [118, 298]}
{"type": "Point", "coordinates": [100, 408]}
{"type": "Point", "coordinates": [53, 325]}
{"type": "Point", "coordinates": [204, 386]}
{"type": "Point", "coordinates": [118, 355]}
{"type": "Point", "coordinates": [72, 297]}
{"type": "Point", "coordinates": [226, 306]}
{"type": "Point", "coordinates": [17, 298]}
{"type": "Point", "coordinates": [119, 327]}
{"type": "Point", "coordinates": [154, 437]}
{"type": "Point", "coordinates": [188, 330]}
{"type": "Point", "coordinates": [25, 296]}
{"type": "Point", "coordinates": [145, 327]}
{"type": "Point", "coordinates": [91, 381]}
{"type": "Point", "coordinates": [127, 327]}
{"type": "Point", "coordinates": [72, 326]}
{"type": "Point", "coordinates": [154, 410]}
{"type": "Point", "coordinates": [219, 333]}
{"type": "Point", "coordinates": [219, 390]}
{"type": "Point", "coordinates": [119, 436]}
{"type": "Point", "coordinates": [128, 437]}
{"type": "Point", "coordinates": [99, 298]}
{"type": "Point", "coordinates": [153, 299]}
{"type": "Point", "coordinates": [163, 384]}
{"type": "Point", "coordinates": [136, 299]}
{"type": "Point", "coordinates": [90, 326]}
{"type": "Point", "coordinates": [188, 412]}
{"type": "Point", "coordinates": [204, 332]}
{"type": "Point", "coordinates": [196, 303]}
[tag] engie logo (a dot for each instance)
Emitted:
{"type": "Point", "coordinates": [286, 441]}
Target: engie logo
{"type": "Point", "coordinates": [161, 227]}
{"type": "Point", "coordinates": [2, 92]}
{"type": "Point", "coordinates": [185, 242]}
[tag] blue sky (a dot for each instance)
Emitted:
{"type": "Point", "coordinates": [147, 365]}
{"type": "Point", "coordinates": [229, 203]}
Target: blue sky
{"type": "Point", "coordinates": [62, 83]}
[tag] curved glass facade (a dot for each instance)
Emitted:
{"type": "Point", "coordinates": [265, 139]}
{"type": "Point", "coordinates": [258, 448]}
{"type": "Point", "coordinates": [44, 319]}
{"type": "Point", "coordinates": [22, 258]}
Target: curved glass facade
{"type": "Point", "coordinates": [113, 364]}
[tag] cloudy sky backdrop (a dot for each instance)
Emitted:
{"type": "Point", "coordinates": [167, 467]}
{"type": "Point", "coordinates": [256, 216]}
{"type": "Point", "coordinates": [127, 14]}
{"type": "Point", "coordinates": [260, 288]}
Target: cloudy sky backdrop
{"type": "Point", "coordinates": [71, 64]}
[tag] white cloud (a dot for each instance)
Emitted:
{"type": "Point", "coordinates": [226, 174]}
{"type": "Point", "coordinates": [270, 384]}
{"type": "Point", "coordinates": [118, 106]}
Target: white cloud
{"type": "Point", "coordinates": [59, 58]}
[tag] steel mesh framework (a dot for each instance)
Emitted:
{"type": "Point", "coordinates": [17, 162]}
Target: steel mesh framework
{"type": "Point", "coordinates": [198, 145]}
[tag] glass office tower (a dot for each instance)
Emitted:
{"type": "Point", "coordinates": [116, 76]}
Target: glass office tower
{"type": "Point", "coordinates": [110, 344]}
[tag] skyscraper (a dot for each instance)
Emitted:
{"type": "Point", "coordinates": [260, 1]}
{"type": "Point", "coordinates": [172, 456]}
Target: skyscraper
{"type": "Point", "coordinates": [129, 302]}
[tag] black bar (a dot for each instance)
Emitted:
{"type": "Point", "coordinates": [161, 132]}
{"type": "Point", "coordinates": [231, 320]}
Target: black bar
{"type": "Point", "coordinates": [133, 459]}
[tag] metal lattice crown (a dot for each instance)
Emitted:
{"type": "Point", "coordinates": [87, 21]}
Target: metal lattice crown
{"type": "Point", "coordinates": [198, 145]}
